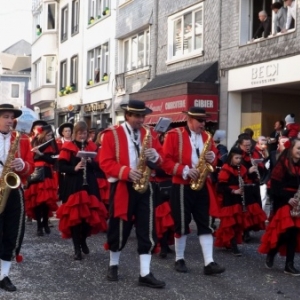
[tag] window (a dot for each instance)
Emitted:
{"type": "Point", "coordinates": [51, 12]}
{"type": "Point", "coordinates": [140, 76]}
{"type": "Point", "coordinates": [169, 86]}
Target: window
{"type": "Point", "coordinates": [50, 69]}
{"type": "Point", "coordinates": [185, 33]}
{"type": "Point", "coordinates": [98, 9]}
{"type": "Point", "coordinates": [75, 16]}
{"type": "Point", "coordinates": [51, 8]}
{"type": "Point", "coordinates": [37, 26]}
{"type": "Point", "coordinates": [250, 24]}
{"type": "Point", "coordinates": [63, 74]}
{"type": "Point", "coordinates": [136, 51]}
{"type": "Point", "coordinates": [15, 90]}
{"type": "Point", "coordinates": [64, 23]}
{"type": "Point", "coordinates": [98, 64]}
{"type": "Point", "coordinates": [37, 74]}
{"type": "Point", "coordinates": [74, 72]}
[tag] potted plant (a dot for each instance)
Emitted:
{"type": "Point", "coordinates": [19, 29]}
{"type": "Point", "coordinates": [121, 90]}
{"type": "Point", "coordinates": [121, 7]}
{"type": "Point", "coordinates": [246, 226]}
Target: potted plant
{"type": "Point", "coordinates": [99, 17]}
{"type": "Point", "coordinates": [38, 30]}
{"type": "Point", "coordinates": [90, 82]}
{"type": "Point", "coordinates": [105, 77]}
{"type": "Point", "coordinates": [106, 11]}
{"type": "Point", "coordinates": [61, 92]}
{"type": "Point", "coordinates": [92, 20]}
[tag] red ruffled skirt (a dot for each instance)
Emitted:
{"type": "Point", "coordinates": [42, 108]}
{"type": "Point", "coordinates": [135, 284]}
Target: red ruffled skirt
{"type": "Point", "coordinates": [104, 189]}
{"type": "Point", "coordinates": [163, 219]}
{"type": "Point", "coordinates": [38, 193]}
{"type": "Point", "coordinates": [82, 206]}
{"type": "Point", "coordinates": [281, 221]}
{"type": "Point", "coordinates": [231, 225]}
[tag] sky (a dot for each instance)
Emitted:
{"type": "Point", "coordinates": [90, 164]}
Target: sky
{"type": "Point", "coordinates": [15, 22]}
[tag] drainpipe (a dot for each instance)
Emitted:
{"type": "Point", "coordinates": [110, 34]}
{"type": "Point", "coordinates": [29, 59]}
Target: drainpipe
{"type": "Point", "coordinates": [154, 38]}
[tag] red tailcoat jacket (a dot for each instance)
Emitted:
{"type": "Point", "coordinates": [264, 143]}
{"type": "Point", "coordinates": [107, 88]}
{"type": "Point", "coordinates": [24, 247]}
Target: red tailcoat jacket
{"type": "Point", "coordinates": [177, 151]}
{"type": "Point", "coordinates": [114, 161]}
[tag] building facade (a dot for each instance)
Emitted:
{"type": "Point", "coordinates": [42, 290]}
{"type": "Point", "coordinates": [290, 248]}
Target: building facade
{"type": "Point", "coordinates": [259, 77]}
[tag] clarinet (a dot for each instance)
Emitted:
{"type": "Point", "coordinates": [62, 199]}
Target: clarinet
{"type": "Point", "coordinates": [255, 165]}
{"type": "Point", "coordinates": [83, 159]}
{"type": "Point", "coordinates": [241, 186]}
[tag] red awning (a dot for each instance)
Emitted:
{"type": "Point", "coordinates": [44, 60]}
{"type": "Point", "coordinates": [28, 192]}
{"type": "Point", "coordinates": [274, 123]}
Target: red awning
{"type": "Point", "coordinates": [176, 118]}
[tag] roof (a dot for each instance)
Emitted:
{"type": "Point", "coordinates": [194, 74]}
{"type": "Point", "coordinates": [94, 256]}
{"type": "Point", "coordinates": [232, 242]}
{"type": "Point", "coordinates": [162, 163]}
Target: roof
{"type": "Point", "coordinates": [20, 48]}
{"type": "Point", "coordinates": [200, 73]}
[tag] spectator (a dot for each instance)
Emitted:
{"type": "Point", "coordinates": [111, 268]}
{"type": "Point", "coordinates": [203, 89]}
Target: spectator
{"type": "Point", "coordinates": [291, 128]}
{"type": "Point", "coordinates": [291, 14]}
{"type": "Point", "coordinates": [280, 16]}
{"type": "Point", "coordinates": [264, 29]}
{"type": "Point", "coordinates": [274, 136]}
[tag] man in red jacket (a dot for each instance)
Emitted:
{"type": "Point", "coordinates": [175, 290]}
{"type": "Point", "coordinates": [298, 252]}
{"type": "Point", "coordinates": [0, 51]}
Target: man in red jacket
{"type": "Point", "coordinates": [122, 148]}
{"type": "Point", "coordinates": [182, 149]}
{"type": "Point", "coordinates": [12, 224]}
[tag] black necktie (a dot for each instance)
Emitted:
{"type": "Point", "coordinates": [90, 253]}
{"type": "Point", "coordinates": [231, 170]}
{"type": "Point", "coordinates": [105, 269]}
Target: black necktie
{"type": "Point", "coordinates": [135, 134]}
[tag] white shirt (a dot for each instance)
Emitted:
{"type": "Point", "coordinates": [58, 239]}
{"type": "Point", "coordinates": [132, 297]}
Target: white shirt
{"type": "Point", "coordinates": [196, 143]}
{"type": "Point", "coordinates": [291, 14]}
{"type": "Point", "coordinates": [4, 148]}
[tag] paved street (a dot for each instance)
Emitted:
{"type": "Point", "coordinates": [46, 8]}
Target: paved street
{"type": "Point", "coordinates": [49, 272]}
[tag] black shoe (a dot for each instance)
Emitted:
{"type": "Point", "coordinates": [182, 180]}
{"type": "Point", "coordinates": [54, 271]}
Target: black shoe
{"type": "Point", "coordinates": [40, 232]}
{"type": "Point", "coordinates": [180, 266]}
{"type": "Point", "coordinates": [77, 255]}
{"type": "Point", "coordinates": [236, 251]}
{"type": "Point", "coordinates": [112, 273]}
{"type": "Point", "coordinates": [84, 247]}
{"type": "Point", "coordinates": [213, 268]}
{"type": "Point", "coordinates": [7, 285]}
{"type": "Point", "coordinates": [150, 281]}
{"type": "Point", "coordinates": [47, 229]}
{"type": "Point", "coordinates": [269, 261]}
{"type": "Point", "coordinates": [291, 270]}
{"type": "Point", "coordinates": [163, 252]}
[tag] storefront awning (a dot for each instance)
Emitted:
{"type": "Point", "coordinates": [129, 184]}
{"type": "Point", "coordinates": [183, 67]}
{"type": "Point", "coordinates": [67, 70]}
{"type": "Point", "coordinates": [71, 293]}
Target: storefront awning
{"type": "Point", "coordinates": [172, 107]}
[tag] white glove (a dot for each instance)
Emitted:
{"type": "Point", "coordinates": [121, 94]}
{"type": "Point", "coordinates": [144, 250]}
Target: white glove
{"type": "Point", "coordinates": [267, 164]}
{"type": "Point", "coordinates": [18, 164]}
{"type": "Point", "coordinates": [152, 155]}
{"type": "Point", "coordinates": [210, 156]}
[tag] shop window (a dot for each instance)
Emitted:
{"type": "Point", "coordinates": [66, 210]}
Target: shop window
{"type": "Point", "coordinates": [98, 64]}
{"type": "Point", "coordinates": [250, 23]}
{"type": "Point", "coordinates": [74, 73]}
{"type": "Point", "coordinates": [97, 10]}
{"type": "Point", "coordinates": [136, 51]}
{"type": "Point", "coordinates": [64, 23]}
{"type": "Point", "coordinates": [185, 33]}
{"type": "Point", "coordinates": [37, 78]}
{"type": "Point", "coordinates": [75, 16]}
{"type": "Point", "coordinates": [15, 90]}
{"type": "Point", "coordinates": [51, 18]}
{"type": "Point", "coordinates": [63, 74]}
{"type": "Point", "coordinates": [50, 69]}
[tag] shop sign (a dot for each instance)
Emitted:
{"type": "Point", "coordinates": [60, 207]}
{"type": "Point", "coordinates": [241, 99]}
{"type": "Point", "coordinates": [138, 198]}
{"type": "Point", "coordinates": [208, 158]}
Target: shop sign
{"type": "Point", "coordinates": [265, 74]}
{"type": "Point", "coordinates": [92, 107]}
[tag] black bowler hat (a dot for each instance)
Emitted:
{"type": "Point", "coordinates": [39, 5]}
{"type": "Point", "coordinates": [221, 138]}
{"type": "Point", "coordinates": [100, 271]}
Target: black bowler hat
{"type": "Point", "coordinates": [197, 113]}
{"type": "Point", "coordinates": [9, 107]}
{"type": "Point", "coordinates": [38, 123]}
{"type": "Point", "coordinates": [65, 125]}
{"type": "Point", "coordinates": [136, 107]}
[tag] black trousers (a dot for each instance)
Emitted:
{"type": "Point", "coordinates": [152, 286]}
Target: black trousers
{"type": "Point", "coordinates": [141, 208]}
{"type": "Point", "coordinates": [186, 203]}
{"type": "Point", "coordinates": [12, 225]}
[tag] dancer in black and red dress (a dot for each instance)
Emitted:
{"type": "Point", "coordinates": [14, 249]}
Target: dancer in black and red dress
{"type": "Point", "coordinates": [82, 212]}
{"type": "Point", "coordinates": [283, 232]}
{"type": "Point", "coordinates": [41, 194]}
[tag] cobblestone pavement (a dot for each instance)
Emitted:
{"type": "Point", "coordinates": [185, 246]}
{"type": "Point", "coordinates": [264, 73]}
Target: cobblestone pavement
{"type": "Point", "coordinates": [49, 272]}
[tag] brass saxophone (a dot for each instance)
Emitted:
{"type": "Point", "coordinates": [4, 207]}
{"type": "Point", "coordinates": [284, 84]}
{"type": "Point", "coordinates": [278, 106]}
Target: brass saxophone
{"type": "Point", "coordinates": [9, 180]}
{"type": "Point", "coordinates": [141, 185]}
{"type": "Point", "coordinates": [203, 167]}
{"type": "Point", "coordinates": [295, 211]}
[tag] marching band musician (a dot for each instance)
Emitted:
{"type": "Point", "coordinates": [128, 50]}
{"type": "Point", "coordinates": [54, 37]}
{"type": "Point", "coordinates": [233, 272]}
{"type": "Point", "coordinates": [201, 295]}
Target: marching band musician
{"type": "Point", "coordinates": [41, 194]}
{"type": "Point", "coordinates": [182, 149]}
{"type": "Point", "coordinates": [253, 201]}
{"type": "Point", "coordinates": [233, 214]}
{"type": "Point", "coordinates": [12, 224]}
{"type": "Point", "coordinates": [82, 213]}
{"type": "Point", "coordinates": [283, 233]}
{"type": "Point", "coordinates": [122, 147]}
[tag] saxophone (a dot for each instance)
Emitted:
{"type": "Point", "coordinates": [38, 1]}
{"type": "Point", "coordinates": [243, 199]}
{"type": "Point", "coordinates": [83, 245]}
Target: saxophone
{"type": "Point", "coordinates": [141, 185]}
{"type": "Point", "coordinates": [9, 180]}
{"type": "Point", "coordinates": [295, 211]}
{"type": "Point", "coordinates": [203, 167]}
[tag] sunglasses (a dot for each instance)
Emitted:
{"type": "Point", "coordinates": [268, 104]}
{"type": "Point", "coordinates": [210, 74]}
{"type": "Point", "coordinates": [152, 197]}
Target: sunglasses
{"type": "Point", "coordinates": [200, 120]}
{"type": "Point", "coordinates": [138, 115]}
